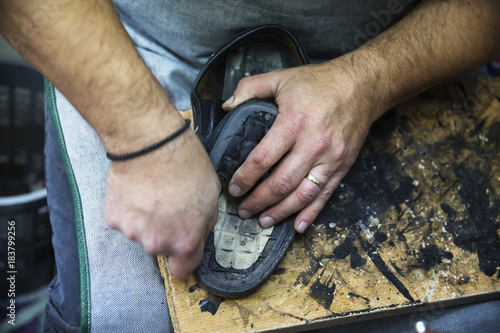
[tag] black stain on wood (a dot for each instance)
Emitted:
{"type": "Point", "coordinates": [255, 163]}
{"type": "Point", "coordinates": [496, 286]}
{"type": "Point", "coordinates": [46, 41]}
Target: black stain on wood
{"type": "Point", "coordinates": [373, 185]}
{"type": "Point", "coordinates": [477, 232]}
{"type": "Point", "coordinates": [396, 268]}
{"type": "Point", "coordinates": [373, 254]}
{"type": "Point", "coordinates": [323, 293]}
{"type": "Point", "coordinates": [306, 276]}
{"type": "Point", "coordinates": [494, 134]}
{"type": "Point", "coordinates": [348, 249]}
{"type": "Point", "coordinates": [367, 301]}
{"type": "Point", "coordinates": [279, 271]}
{"type": "Point", "coordinates": [377, 185]}
{"type": "Point", "coordinates": [430, 256]}
{"type": "Point", "coordinates": [344, 250]}
{"type": "Point", "coordinates": [380, 237]}
{"type": "Point", "coordinates": [193, 288]}
{"type": "Point", "coordinates": [356, 259]}
{"type": "Point", "coordinates": [210, 304]}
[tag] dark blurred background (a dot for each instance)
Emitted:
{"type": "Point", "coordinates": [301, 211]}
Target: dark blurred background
{"type": "Point", "coordinates": [22, 196]}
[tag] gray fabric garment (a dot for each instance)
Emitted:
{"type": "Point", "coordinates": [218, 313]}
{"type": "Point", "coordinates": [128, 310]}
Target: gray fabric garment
{"type": "Point", "coordinates": [175, 38]}
{"type": "Point", "coordinates": [124, 282]}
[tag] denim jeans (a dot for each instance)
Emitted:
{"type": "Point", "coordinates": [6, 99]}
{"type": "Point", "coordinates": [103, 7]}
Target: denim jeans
{"type": "Point", "coordinates": [63, 308]}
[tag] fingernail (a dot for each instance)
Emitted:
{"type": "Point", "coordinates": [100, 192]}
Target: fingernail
{"type": "Point", "coordinates": [244, 214]}
{"type": "Point", "coordinates": [266, 222]}
{"type": "Point", "coordinates": [229, 101]}
{"type": "Point", "coordinates": [302, 227]}
{"type": "Point", "coordinates": [235, 190]}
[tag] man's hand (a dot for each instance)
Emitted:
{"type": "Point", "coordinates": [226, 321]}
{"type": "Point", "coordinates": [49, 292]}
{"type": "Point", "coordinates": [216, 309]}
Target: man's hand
{"type": "Point", "coordinates": [166, 200]}
{"type": "Point", "coordinates": [325, 113]}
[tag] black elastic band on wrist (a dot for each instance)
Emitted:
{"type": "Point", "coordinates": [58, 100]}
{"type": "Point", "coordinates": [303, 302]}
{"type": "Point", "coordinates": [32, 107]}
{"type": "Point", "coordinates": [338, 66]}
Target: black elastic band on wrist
{"type": "Point", "coordinates": [152, 147]}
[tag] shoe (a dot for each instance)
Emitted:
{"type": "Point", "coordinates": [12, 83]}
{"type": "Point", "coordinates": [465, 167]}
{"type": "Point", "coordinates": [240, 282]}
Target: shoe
{"type": "Point", "coordinates": [255, 51]}
{"type": "Point", "coordinates": [237, 134]}
{"type": "Point", "coordinates": [239, 255]}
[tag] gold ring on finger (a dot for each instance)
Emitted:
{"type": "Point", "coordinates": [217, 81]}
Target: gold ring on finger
{"type": "Point", "coordinates": [313, 180]}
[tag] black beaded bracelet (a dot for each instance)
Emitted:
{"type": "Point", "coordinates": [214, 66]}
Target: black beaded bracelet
{"type": "Point", "coordinates": [152, 147]}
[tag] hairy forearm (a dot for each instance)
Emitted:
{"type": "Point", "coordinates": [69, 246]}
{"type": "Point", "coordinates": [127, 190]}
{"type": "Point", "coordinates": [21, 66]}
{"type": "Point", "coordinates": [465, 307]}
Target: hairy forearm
{"type": "Point", "coordinates": [438, 40]}
{"type": "Point", "coordinates": [83, 49]}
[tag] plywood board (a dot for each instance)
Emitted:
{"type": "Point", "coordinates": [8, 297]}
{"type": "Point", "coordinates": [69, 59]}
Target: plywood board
{"type": "Point", "coordinates": [415, 222]}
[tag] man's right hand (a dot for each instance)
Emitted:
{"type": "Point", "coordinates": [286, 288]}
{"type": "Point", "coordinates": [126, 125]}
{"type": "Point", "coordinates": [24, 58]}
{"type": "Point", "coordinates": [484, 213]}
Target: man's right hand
{"type": "Point", "coordinates": [166, 200]}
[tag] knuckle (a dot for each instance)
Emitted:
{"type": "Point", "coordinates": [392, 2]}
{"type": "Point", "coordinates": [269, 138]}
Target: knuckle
{"type": "Point", "coordinates": [297, 123]}
{"type": "Point", "coordinates": [112, 216]}
{"type": "Point", "coordinates": [307, 194]}
{"type": "Point", "coordinates": [280, 186]}
{"type": "Point", "coordinates": [186, 246]}
{"type": "Point", "coordinates": [112, 223]}
{"type": "Point", "coordinates": [244, 83]}
{"type": "Point", "coordinates": [152, 244]}
{"type": "Point", "coordinates": [129, 233]}
{"type": "Point", "coordinates": [325, 195]}
{"type": "Point", "coordinates": [262, 158]}
{"type": "Point", "coordinates": [341, 150]}
{"type": "Point", "coordinates": [321, 145]}
{"type": "Point", "coordinates": [246, 80]}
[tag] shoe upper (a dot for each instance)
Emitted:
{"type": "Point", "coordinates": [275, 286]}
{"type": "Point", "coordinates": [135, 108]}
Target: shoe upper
{"type": "Point", "coordinates": [255, 51]}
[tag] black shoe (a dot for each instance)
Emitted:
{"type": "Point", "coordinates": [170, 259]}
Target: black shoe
{"type": "Point", "coordinates": [239, 255]}
{"type": "Point", "coordinates": [237, 135]}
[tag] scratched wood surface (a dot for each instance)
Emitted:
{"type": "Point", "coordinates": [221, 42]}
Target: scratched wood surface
{"type": "Point", "coordinates": [415, 222]}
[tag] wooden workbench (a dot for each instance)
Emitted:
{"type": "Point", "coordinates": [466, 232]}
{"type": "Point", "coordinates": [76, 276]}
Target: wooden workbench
{"type": "Point", "coordinates": [414, 223]}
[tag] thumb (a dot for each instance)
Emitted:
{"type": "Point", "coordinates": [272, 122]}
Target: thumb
{"type": "Point", "coordinates": [259, 86]}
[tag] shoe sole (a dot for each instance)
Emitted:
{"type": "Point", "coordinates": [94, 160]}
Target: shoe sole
{"type": "Point", "coordinates": [238, 134]}
{"type": "Point", "coordinates": [239, 255]}
{"type": "Point", "coordinates": [233, 236]}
